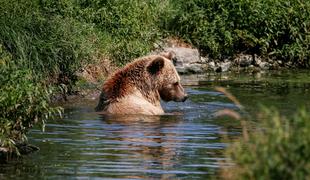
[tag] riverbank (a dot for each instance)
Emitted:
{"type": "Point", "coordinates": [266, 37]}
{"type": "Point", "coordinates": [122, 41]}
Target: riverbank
{"type": "Point", "coordinates": [190, 60]}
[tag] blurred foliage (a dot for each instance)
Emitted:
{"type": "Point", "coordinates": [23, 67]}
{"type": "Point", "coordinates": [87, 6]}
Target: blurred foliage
{"type": "Point", "coordinates": [277, 149]}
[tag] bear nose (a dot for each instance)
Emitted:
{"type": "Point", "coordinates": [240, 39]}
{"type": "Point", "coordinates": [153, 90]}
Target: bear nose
{"type": "Point", "coordinates": [185, 97]}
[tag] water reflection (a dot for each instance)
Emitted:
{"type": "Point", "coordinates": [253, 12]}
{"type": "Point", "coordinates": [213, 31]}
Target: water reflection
{"type": "Point", "coordinates": [166, 146]}
{"type": "Point", "coordinates": [151, 139]}
{"type": "Point", "coordinates": [85, 144]}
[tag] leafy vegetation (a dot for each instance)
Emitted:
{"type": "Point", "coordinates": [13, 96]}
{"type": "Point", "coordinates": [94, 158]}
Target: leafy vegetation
{"type": "Point", "coordinates": [23, 103]}
{"type": "Point", "coordinates": [273, 28]}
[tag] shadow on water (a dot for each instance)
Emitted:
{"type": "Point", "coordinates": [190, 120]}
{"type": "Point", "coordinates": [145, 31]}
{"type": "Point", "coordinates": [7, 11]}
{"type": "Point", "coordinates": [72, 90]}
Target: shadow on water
{"type": "Point", "coordinates": [86, 145]}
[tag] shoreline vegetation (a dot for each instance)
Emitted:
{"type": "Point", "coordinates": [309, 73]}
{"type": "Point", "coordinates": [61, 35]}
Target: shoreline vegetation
{"type": "Point", "coordinates": [46, 45]}
{"type": "Point", "coordinates": [276, 147]}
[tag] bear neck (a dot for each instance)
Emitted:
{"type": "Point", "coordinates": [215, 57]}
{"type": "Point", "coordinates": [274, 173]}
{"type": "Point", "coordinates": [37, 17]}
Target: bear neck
{"type": "Point", "coordinates": [133, 77]}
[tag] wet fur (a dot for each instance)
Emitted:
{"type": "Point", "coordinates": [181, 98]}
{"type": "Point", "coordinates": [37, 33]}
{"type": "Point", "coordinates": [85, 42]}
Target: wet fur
{"type": "Point", "coordinates": [134, 88]}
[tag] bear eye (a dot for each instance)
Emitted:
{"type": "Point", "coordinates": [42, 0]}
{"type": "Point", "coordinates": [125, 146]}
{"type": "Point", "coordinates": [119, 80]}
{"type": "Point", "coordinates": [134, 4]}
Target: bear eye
{"type": "Point", "coordinates": [176, 83]}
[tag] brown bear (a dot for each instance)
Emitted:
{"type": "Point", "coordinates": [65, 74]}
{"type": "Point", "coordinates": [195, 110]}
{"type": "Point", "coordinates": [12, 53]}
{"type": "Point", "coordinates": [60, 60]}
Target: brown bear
{"type": "Point", "coordinates": [138, 87]}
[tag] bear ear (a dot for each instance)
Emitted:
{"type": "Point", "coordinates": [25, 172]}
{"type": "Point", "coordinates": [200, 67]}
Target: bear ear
{"type": "Point", "coordinates": [169, 55]}
{"type": "Point", "coordinates": [156, 65]}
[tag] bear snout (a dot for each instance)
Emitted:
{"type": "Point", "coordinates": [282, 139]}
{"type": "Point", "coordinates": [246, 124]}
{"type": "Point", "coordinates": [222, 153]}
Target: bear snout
{"type": "Point", "coordinates": [185, 98]}
{"type": "Point", "coordinates": [181, 99]}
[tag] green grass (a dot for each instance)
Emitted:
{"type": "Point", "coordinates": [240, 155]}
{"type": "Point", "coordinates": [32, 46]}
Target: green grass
{"type": "Point", "coordinates": [130, 27]}
{"type": "Point", "coordinates": [51, 46]}
{"type": "Point", "coordinates": [23, 103]}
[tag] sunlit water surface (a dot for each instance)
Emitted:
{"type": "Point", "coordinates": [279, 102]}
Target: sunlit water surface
{"type": "Point", "coordinates": [86, 145]}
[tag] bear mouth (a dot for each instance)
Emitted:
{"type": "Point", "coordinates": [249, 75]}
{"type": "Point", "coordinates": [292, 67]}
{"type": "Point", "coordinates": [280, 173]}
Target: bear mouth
{"type": "Point", "coordinates": [175, 99]}
{"type": "Point", "coordinates": [183, 99]}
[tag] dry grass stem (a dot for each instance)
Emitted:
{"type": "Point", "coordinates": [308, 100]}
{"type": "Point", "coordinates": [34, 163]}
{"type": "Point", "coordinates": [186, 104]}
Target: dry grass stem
{"type": "Point", "coordinates": [229, 96]}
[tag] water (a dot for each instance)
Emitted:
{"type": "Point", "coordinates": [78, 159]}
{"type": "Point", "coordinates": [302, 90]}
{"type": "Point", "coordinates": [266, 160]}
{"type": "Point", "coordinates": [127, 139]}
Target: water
{"type": "Point", "coordinates": [85, 145]}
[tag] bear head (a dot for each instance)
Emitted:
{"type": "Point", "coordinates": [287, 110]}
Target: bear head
{"type": "Point", "coordinates": [162, 70]}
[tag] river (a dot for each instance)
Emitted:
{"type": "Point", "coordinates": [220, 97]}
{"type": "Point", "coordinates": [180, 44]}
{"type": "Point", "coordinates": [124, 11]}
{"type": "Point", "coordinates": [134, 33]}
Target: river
{"type": "Point", "coordinates": [190, 145]}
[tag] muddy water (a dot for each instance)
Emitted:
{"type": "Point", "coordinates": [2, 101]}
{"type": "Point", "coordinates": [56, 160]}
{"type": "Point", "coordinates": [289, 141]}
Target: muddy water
{"type": "Point", "coordinates": [85, 145]}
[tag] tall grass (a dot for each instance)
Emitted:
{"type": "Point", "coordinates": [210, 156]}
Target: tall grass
{"type": "Point", "coordinates": [23, 102]}
{"type": "Point", "coordinates": [130, 27]}
{"type": "Point", "coordinates": [52, 46]}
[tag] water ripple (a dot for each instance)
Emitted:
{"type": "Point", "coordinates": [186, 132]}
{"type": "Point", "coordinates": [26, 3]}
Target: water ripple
{"type": "Point", "coordinates": [86, 145]}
